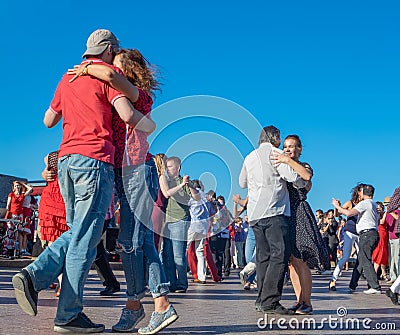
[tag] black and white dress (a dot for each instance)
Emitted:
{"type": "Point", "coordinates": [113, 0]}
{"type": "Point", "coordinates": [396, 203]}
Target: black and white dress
{"type": "Point", "coordinates": [307, 242]}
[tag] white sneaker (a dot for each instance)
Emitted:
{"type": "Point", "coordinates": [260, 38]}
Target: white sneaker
{"type": "Point", "coordinates": [372, 291]}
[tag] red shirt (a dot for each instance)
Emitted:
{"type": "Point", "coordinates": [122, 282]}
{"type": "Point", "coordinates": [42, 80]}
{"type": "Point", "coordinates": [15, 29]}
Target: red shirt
{"type": "Point", "coordinates": [131, 146]}
{"type": "Point", "coordinates": [16, 203]}
{"type": "Point", "coordinates": [86, 108]}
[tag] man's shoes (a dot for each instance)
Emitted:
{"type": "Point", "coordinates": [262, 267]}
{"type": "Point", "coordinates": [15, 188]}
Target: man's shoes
{"type": "Point", "coordinates": [351, 290]}
{"type": "Point", "coordinates": [276, 309]}
{"type": "Point", "coordinates": [25, 294]}
{"type": "Point", "coordinates": [295, 307]}
{"type": "Point", "coordinates": [110, 290]}
{"type": "Point", "coordinates": [372, 291]}
{"type": "Point", "coordinates": [304, 310]}
{"type": "Point", "coordinates": [198, 281]}
{"type": "Point", "coordinates": [81, 324]}
{"type": "Point", "coordinates": [180, 290]}
{"type": "Point", "coordinates": [159, 321]}
{"type": "Point", "coordinates": [394, 297]}
{"type": "Point", "coordinates": [332, 286]}
{"type": "Point", "coordinates": [128, 320]}
{"type": "Point", "coordinates": [391, 281]}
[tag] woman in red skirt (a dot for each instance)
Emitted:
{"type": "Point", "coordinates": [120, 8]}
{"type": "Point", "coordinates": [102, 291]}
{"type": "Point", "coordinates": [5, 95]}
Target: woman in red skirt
{"type": "Point", "coordinates": [380, 255]}
{"type": "Point", "coordinates": [51, 214]}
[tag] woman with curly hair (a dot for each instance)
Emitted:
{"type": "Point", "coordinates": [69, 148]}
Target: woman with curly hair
{"type": "Point", "coordinates": [137, 187]}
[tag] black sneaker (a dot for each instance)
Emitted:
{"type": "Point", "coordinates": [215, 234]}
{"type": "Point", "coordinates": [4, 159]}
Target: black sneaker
{"type": "Point", "coordinates": [180, 290]}
{"type": "Point", "coordinates": [110, 290]}
{"type": "Point", "coordinates": [25, 294]}
{"type": "Point", "coordinates": [394, 297]}
{"type": "Point", "coordinates": [81, 324]}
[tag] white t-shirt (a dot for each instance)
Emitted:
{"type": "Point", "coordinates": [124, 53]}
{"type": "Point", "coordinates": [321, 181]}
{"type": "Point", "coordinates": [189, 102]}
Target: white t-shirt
{"type": "Point", "coordinates": [369, 217]}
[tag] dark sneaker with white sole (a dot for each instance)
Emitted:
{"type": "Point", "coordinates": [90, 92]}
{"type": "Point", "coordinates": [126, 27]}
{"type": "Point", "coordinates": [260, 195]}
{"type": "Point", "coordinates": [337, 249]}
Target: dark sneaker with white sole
{"type": "Point", "coordinates": [25, 294]}
{"type": "Point", "coordinates": [159, 321]}
{"type": "Point", "coordinates": [81, 325]}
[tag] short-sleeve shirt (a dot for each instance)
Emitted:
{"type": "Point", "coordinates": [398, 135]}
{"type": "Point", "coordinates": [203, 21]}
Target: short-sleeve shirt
{"type": "Point", "coordinates": [369, 217]}
{"type": "Point", "coordinates": [177, 206]}
{"type": "Point", "coordinates": [86, 107]}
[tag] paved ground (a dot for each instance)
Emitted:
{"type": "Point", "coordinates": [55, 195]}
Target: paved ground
{"type": "Point", "coordinates": [217, 308]}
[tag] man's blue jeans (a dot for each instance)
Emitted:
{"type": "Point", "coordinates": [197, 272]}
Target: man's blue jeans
{"type": "Point", "coordinates": [173, 254]}
{"type": "Point", "coordinates": [250, 251]}
{"type": "Point", "coordinates": [86, 185]}
{"type": "Point", "coordinates": [137, 188]}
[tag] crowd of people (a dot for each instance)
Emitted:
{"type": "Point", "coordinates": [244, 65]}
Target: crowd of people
{"type": "Point", "coordinates": [167, 222]}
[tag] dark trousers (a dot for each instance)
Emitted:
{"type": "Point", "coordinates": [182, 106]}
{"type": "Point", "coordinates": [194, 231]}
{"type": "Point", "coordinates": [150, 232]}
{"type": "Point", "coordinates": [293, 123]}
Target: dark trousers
{"type": "Point", "coordinates": [333, 252]}
{"type": "Point", "coordinates": [273, 251]}
{"type": "Point", "coordinates": [102, 265]}
{"type": "Point", "coordinates": [367, 243]}
{"type": "Point", "coordinates": [227, 255]}
{"type": "Point", "coordinates": [217, 245]}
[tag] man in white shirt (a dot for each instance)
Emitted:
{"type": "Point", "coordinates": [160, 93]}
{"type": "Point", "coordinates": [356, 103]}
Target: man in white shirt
{"type": "Point", "coordinates": [367, 229]}
{"type": "Point", "coordinates": [268, 210]}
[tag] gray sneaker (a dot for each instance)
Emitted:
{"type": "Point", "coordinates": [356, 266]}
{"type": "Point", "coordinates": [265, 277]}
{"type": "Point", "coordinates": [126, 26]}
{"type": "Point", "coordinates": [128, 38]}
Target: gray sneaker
{"type": "Point", "coordinates": [128, 320]}
{"type": "Point", "coordinates": [159, 321]}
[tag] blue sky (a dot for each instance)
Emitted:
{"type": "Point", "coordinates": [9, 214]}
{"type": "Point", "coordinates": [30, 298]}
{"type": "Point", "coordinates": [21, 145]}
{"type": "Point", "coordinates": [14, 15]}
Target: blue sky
{"type": "Point", "coordinates": [326, 70]}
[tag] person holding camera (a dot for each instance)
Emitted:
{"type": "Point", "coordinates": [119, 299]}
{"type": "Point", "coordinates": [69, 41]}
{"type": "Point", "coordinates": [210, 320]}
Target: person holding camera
{"type": "Point", "coordinates": [178, 190]}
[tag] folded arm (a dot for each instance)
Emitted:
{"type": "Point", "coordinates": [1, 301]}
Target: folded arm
{"type": "Point", "coordinates": [132, 117]}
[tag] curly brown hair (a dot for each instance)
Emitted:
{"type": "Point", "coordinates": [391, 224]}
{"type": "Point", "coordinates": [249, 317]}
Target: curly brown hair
{"type": "Point", "coordinates": [139, 71]}
{"type": "Point", "coordinates": [159, 160]}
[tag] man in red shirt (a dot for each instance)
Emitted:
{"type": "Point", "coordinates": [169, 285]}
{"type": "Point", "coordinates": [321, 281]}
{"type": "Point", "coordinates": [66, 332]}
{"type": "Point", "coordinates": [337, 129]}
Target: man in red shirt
{"type": "Point", "coordinates": [86, 178]}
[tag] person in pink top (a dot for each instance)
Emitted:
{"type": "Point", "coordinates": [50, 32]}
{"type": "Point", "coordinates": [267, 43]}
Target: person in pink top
{"type": "Point", "coordinates": [394, 244]}
{"type": "Point", "coordinates": [86, 179]}
{"type": "Point", "coordinates": [392, 209]}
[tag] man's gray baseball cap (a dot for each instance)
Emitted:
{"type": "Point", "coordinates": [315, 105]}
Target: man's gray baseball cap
{"type": "Point", "coordinates": [98, 42]}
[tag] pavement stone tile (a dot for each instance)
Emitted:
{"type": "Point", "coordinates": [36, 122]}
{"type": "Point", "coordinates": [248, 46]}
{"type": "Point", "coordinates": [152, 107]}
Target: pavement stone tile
{"type": "Point", "coordinates": [218, 308]}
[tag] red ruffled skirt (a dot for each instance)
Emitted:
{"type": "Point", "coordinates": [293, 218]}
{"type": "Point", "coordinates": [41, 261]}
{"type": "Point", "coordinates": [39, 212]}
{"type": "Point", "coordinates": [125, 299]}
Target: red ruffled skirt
{"type": "Point", "coordinates": [52, 212]}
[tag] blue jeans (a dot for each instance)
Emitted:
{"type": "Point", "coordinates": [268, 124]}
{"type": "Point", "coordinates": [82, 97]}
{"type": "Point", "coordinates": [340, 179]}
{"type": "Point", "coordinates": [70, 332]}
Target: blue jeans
{"type": "Point", "coordinates": [86, 185]}
{"type": "Point", "coordinates": [250, 251]}
{"type": "Point", "coordinates": [173, 254]}
{"type": "Point", "coordinates": [137, 188]}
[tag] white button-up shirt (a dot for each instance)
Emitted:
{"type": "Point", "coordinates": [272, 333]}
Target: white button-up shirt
{"type": "Point", "coordinates": [266, 183]}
